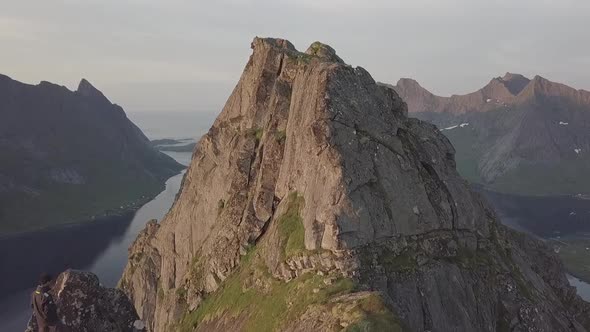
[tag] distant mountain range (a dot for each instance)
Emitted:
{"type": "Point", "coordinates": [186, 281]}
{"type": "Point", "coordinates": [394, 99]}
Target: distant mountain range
{"type": "Point", "coordinates": [67, 156]}
{"type": "Point", "coordinates": [514, 135]}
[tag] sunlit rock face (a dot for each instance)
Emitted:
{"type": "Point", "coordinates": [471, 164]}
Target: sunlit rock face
{"type": "Point", "coordinates": [313, 176]}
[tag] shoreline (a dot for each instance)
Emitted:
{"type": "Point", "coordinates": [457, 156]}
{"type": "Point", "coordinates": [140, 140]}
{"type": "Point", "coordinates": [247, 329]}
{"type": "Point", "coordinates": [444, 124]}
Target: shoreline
{"type": "Point", "coordinates": [576, 276]}
{"type": "Point", "coordinates": [97, 219]}
{"type": "Point", "coordinates": [106, 214]}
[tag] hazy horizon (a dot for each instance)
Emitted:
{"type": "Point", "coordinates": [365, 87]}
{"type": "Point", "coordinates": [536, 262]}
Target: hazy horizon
{"type": "Point", "coordinates": [186, 56]}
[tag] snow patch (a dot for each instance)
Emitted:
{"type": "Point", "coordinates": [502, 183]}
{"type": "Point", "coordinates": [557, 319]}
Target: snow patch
{"type": "Point", "coordinates": [563, 123]}
{"type": "Point", "coordinates": [455, 126]}
{"type": "Point", "coordinates": [449, 128]}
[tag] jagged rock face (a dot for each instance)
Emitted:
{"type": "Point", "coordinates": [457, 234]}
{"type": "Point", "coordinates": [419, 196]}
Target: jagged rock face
{"type": "Point", "coordinates": [374, 196]}
{"type": "Point", "coordinates": [70, 155]}
{"type": "Point", "coordinates": [84, 305]}
{"type": "Point", "coordinates": [513, 132]}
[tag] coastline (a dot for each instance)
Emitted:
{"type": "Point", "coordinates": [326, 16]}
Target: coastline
{"type": "Point", "coordinates": [103, 216]}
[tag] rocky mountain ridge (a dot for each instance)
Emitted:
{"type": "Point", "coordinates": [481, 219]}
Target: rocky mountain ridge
{"type": "Point", "coordinates": [314, 203]}
{"type": "Point", "coordinates": [69, 156]}
{"type": "Point", "coordinates": [513, 132]}
{"type": "Point", "coordinates": [511, 89]}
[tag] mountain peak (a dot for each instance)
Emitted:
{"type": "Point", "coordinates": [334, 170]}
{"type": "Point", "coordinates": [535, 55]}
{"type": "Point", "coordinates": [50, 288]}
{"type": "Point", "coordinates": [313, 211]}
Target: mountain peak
{"type": "Point", "coordinates": [88, 90]}
{"type": "Point", "coordinates": [515, 83]}
{"type": "Point", "coordinates": [404, 81]}
{"type": "Point", "coordinates": [273, 42]}
{"type": "Point", "coordinates": [512, 76]}
{"type": "Point", "coordinates": [540, 86]}
{"type": "Point", "coordinates": [316, 172]}
{"type": "Point", "coordinates": [323, 51]}
{"type": "Point", "coordinates": [317, 50]}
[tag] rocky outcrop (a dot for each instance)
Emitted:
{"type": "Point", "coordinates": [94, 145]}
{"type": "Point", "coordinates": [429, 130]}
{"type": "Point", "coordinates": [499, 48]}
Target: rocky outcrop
{"type": "Point", "coordinates": [315, 203]}
{"type": "Point", "coordinates": [84, 305]}
{"type": "Point", "coordinates": [71, 156]}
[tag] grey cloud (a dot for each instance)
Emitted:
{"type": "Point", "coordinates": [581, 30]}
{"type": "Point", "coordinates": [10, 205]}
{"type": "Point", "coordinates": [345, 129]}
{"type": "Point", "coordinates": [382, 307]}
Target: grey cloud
{"type": "Point", "coordinates": [189, 54]}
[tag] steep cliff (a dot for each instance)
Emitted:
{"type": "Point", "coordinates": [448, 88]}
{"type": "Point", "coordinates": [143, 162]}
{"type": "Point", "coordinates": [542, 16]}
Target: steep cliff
{"type": "Point", "coordinates": [66, 156]}
{"type": "Point", "coordinates": [314, 203]}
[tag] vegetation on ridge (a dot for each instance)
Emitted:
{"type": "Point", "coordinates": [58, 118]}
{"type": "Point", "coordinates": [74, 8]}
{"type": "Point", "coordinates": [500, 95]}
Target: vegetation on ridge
{"type": "Point", "coordinates": [261, 302]}
{"type": "Point", "coordinates": [291, 227]}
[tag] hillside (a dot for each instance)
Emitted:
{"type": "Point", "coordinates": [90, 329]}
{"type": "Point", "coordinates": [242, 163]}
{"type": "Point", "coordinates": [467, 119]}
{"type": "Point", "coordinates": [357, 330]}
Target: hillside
{"type": "Point", "coordinates": [315, 204]}
{"type": "Point", "coordinates": [68, 156]}
{"type": "Point", "coordinates": [513, 132]}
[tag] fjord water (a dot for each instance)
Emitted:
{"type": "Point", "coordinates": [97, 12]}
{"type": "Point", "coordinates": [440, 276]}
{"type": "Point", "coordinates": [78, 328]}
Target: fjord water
{"type": "Point", "coordinates": [99, 246]}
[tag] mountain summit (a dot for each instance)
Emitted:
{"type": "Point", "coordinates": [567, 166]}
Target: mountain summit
{"type": "Point", "coordinates": [315, 204]}
{"type": "Point", "coordinates": [70, 156]}
{"type": "Point", "coordinates": [88, 90]}
{"type": "Point", "coordinates": [513, 132]}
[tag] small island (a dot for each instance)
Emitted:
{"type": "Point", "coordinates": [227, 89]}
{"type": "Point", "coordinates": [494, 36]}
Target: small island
{"type": "Point", "coordinates": [175, 145]}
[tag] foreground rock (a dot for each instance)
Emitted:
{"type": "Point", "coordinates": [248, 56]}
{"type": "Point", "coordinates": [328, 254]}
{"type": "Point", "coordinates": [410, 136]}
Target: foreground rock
{"type": "Point", "coordinates": [314, 203]}
{"type": "Point", "coordinates": [84, 305]}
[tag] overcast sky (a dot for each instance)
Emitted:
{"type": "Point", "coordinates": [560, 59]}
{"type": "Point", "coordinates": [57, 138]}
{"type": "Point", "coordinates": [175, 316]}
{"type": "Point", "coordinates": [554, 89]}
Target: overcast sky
{"type": "Point", "coordinates": [149, 55]}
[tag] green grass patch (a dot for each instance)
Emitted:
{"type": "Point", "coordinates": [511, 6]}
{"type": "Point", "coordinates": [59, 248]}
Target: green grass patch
{"type": "Point", "coordinates": [404, 262]}
{"type": "Point", "coordinates": [470, 259]}
{"type": "Point", "coordinates": [181, 292]}
{"type": "Point", "coordinates": [257, 133]}
{"type": "Point", "coordinates": [281, 136]}
{"type": "Point", "coordinates": [265, 303]}
{"type": "Point", "coordinates": [375, 317]}
{"type": "Point", "coordinates": [316, 47]}
{"type": "Point", "coordinates": [291, 227]}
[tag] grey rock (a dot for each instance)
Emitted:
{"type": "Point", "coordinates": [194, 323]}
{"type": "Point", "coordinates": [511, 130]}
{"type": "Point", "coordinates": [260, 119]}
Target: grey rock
{"type": "Point", "coordinates": [84, 305]}
{"type": "Point", "coordinates": [309, 125]}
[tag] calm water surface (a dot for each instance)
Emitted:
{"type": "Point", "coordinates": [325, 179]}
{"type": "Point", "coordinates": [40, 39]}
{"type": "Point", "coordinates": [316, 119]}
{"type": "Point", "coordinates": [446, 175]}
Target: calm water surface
{"type": "Point", "coordinates": [100, 247]}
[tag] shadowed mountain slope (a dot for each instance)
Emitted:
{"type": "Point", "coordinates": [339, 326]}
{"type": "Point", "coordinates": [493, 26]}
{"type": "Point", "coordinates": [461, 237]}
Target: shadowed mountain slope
{"type": "Point", "coordinates": [67, 156]}
{"type": "Point", "coordinates": [513, 132]}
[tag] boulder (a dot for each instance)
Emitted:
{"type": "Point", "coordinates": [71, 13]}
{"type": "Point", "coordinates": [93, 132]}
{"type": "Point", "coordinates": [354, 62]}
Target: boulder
{"type": "Point", "coordinates": [85, 305]}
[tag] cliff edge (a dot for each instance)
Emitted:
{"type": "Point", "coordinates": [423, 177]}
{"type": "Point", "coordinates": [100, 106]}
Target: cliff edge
{"type": "Point", "coordinates": [314, 203]}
